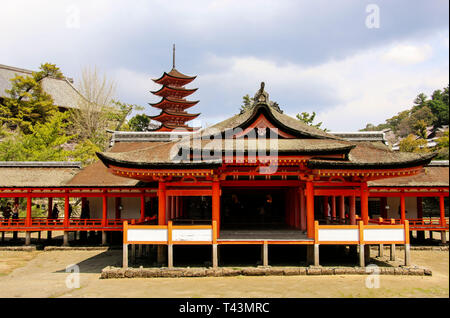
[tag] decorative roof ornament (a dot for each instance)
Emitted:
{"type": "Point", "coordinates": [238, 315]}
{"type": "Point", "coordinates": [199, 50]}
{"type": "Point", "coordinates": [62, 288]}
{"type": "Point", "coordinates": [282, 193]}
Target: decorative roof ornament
{"type": "Point", "coordinates": [262, 97]}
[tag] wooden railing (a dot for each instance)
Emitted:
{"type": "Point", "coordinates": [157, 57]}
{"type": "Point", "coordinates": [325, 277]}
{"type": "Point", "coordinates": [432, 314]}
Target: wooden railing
{"type": "Point", "coordinates": [59, 224]}
{"type": "Point", "coordinates": [428, 223]}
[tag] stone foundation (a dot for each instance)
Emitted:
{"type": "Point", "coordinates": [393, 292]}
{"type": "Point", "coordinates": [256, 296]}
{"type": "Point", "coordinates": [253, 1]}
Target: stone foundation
{"type": "Point", "coordinates": [118, 272]}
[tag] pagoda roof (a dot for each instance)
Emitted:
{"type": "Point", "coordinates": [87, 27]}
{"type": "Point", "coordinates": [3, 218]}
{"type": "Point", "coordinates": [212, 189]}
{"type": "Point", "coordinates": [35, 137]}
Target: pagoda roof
{"type": "Point", "coordinates": [166, 114]}
{"type": "Point", "coordinates": [166, 101]}
{"type": "Point", "coordinates": [168, 90]}
{"type": "Point", "coordinates": [167, 127]}
{"type": "Point", "coordinates": [174, 76]}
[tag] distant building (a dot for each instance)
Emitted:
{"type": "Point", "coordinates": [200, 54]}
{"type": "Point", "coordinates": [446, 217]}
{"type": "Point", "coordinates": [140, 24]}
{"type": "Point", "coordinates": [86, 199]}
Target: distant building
{"type": "Point", "coordinates": [64, 94]}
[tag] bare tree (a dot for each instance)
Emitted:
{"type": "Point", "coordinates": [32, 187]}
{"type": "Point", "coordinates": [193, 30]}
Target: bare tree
{"type": "Point", "coordinates": [92, 119]}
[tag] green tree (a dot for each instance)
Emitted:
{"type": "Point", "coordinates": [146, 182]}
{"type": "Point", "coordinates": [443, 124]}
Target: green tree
{"type": "Point", "coordinates": [27, 103]}
{"type": "Point", "coordinates": [442, 146]}
{"type": "Point", "coordinates": [44, 142]}
{"type": "Point", "coordinates": [413, 144]}
{"type": "Point", "coordinates": [309, 119]}
{"type": "Point", "coordinates": [247, 102]}
{"type": "Point", "coordinates": [140, 122]}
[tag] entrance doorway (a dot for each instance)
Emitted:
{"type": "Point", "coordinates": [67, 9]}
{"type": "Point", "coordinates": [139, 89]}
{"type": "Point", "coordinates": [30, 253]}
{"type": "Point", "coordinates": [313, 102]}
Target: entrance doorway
{"type": "Point", "coordinates": [262, 208]}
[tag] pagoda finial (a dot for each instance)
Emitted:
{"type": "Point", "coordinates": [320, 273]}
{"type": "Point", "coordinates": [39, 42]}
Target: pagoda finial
{"type": "Point", "coordinates": [173, 56]}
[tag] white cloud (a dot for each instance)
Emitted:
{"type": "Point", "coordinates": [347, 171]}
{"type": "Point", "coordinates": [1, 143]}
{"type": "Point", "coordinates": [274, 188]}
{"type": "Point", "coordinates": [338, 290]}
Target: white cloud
{"type": "Point", "coordinates": [408, 54]}
{"type": "Point", "coordinates": [345, 94]}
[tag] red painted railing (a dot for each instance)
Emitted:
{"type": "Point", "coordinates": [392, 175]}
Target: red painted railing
{"type": "Point", "coordinates": [44, 224]}
{"type": "Point", "coordinates": [429, 223]}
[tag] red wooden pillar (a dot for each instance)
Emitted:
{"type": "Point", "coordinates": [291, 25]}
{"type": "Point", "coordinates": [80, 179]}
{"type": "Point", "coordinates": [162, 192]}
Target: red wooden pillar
{"type": "Point", "coordinates": [49, 208]}
{"type": "Point", "coordinates": [66, 210]}
{"type": "Point", "coordinates": [325, 207]}
{"type": "Point", "coordinates": [117, 204]}
{"type": "Point", "coordinates": [402, 209]}
{"type": "Point", "coordinates": [365, 203]}
{"type": "Point", "coordinates": [302, 209]}
{"type": "Point", "coordinates": [419, 208]}
{"type": "Point", "coordinates": [442, 211]}
{"type": "Point", "coordinates": [142, 216]}
{"type": "Point", "coordinates": [104, 210]}
{"type": "Point", "coordinates": [333, 207]}
{"type": "Point", "coordinates": [352, 209]}
{"type": "Point", "coordinates": [161, 203]}
{"type": "Point", "coordinates": [310, 209]}
{"type": "Point", "coordinates": [28, 215]}
{"type": "Point", "coordinates": [216, 203]}
{"type": "Point", "coordinates": [342, 207]}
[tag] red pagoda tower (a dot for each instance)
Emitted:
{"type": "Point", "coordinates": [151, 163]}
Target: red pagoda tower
{"type": "Point", "coordinates": [173, 104]}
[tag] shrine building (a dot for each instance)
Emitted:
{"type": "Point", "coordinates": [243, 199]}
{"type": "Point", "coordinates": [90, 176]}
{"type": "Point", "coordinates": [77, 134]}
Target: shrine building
{"type": "Point", "coordinates": [259, 177]}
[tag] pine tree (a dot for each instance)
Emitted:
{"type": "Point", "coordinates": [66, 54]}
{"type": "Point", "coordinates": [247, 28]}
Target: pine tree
{"type": "Point", "coordinates": [27, 103]}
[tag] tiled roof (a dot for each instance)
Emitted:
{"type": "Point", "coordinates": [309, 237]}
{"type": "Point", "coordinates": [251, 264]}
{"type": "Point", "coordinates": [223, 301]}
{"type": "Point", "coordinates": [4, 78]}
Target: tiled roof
{"type": "Point", "coordinates": [64, 94]}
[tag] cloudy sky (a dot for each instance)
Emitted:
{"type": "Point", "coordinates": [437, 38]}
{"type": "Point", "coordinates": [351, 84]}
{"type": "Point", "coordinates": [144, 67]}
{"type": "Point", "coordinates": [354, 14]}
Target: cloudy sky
{"type": "Point", "coordinates": [351, 62]}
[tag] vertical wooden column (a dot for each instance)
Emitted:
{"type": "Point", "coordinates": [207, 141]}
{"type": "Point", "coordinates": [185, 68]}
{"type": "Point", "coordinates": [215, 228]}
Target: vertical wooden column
{"type": "Point", "coordinates": [49, 215]}
{"type": "Point", "coordinates": [28, 215]}
{"type": "Point", "coordinates": [365, 203]}
{"type": "Point", "coordinates": [419, 208]}
{"type": "Point", "coordinates": [352, 207]}
{"type": "Point", "coordinates": [309, 209]}
{"type": "Point", "coordinates": [302, 209]}
{"type": "Point", "coordinates": [442, 211]}
{"type": "Point", "coordinates": [66, 210]}
{"type": "Point", "coordinates": [161, 203]}
{"type": "Point", "coordinates": [342, 207]}
{"type": "Point", "coordinates": [49, 208]}
{"type": "Point", "coordinates": [216, 203]}
{"type": "Point", "coordinates": [402, 209]}
{"type": "Point", "coordinates": [142, 216]}
{"type": "Point", "coordinates": [104, 210]}
{"type": "Point", "coordinates": [333, 207]}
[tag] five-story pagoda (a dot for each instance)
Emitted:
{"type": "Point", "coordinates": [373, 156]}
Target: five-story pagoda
{"type": "Point", "coordinates": [173, 103]}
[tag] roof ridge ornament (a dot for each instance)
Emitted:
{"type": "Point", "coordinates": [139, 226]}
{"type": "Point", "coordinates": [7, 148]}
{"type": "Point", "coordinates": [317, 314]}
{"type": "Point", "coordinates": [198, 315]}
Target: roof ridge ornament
{"type": "Point", "coordinates": [262, 97]}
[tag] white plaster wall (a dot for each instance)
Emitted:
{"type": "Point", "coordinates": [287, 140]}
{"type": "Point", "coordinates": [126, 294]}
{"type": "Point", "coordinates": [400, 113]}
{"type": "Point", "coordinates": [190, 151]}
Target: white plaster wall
{"type": "Point", "coordinates": [410, 206]}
